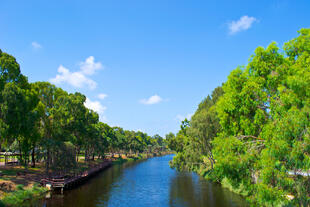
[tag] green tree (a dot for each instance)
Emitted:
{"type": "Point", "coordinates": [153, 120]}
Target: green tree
{"type": "Point", "coordinates": [264, 115]}
{"type": "Point", "coordinates": [12, 82]}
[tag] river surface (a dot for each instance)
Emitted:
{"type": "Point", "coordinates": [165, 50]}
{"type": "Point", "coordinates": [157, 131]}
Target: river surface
{"type": "Point", "coordinates": [145, 184]}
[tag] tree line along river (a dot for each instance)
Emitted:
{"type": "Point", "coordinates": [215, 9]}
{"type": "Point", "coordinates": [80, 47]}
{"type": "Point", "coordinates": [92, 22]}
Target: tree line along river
{"type": "Point", "coordinates": [144, 183]}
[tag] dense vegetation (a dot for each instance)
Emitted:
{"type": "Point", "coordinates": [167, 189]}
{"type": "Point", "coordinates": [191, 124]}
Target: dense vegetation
{"type": "Point", "coordinates": [253, 133]}
{"type": "Point", "coordinates": [42, 122]}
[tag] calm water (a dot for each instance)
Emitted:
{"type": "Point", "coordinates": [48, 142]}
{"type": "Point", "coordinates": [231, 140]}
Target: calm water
{"type": "Point", "coordinates": [146, 183]}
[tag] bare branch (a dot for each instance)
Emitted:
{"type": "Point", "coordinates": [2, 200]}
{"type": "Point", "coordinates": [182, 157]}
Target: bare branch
{"type": "Point", "coordinates": [248, 136]}
{"type": "Point", "coordinates": [263, 107]}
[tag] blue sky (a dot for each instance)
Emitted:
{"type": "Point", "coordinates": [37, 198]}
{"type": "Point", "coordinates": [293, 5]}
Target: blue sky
{"type": "Point", "coordinates": [143, 64]}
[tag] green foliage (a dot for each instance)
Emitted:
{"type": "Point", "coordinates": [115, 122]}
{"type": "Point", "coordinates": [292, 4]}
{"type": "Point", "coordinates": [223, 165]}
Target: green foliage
{"type": "Point", "coordinates": [257, 131]}
{"type": "Point", "coordinates": [193, 142]}
{"type": "Point", "coordinates": [63, 160]}
{"type": "Point", "coordinates": [43, 122]}
{"type": "Point", "coordinates": [240, 189]}
{"type": "Point", "coordinates": [269, 196]}
{"type": "Point", "coordinates": [17, 198]}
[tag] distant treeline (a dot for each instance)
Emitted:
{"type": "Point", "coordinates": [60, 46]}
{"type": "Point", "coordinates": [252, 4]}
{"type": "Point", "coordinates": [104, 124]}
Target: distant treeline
{"type": "Point", "coordinates": [253, 133]}
{"type": "Point", "coordinates": [40, 121]}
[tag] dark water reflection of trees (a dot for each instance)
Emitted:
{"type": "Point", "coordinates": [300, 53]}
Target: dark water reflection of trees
{"type": "Point", "coordinates": [93, 192]}
{"type": "Point", "coordinates": [188, 189]}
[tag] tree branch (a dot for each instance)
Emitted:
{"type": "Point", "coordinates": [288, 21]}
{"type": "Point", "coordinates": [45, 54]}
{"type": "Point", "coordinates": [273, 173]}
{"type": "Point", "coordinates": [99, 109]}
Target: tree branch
{"type": "Point", "coordinates": [249, 136]}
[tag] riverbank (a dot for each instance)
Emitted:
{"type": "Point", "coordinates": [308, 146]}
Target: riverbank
{"type": "Point", "coordinates": [18, 184]}
{"type": "Point", "coordinates": [244, 192]}
{"type": "Point", "coordinates": [123, 159]}
{"type": "Point", "coordinates": [16, 198]}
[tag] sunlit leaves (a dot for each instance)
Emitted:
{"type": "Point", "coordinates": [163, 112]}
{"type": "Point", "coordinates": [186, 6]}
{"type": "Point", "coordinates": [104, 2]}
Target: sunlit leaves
{"type": "Point", "coordinates": [264, 116]}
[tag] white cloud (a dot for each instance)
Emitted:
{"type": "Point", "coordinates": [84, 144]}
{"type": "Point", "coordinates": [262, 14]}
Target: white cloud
{"type": "Point", "coordinates": [89, 67]}
{"type": "Point", "coordinates": [244, 23]}
{"type": "Point", "coordinates": [152, 100]}
{"type": "Point", "coordinates": [102, 96]}
{"type": "Point", "coordinates": [95, 106]}
{"type": "Point", "coordinates": [79, 78]}
{"type": "Point", "coordinates": [36, 45]}
{"type": "Point", "coordinates": [181, 117]}
{"type": "Point", "coordinates": [76, 79]}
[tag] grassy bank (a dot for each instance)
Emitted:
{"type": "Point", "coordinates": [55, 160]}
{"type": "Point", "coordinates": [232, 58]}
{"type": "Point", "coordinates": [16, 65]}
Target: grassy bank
{"type": "Point", "coordinates": [123, 158]}
{"type": "Point", "coordinates": [18, 186]}
{"type": "Point", "coordinates": [21, 195]}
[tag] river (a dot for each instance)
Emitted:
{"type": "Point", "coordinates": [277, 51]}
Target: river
{"type": "Point", "coordinates": [145, 183]}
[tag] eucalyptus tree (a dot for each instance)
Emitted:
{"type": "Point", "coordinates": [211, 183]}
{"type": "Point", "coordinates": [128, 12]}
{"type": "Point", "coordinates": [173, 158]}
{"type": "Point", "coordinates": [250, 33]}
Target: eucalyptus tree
{"type": "Point", "coordinates": [43, 119]}
{"type": "Point", "coordinates": [51, 128]}
{"type": "Point", "coordinates": [254, 130]}
{"type": "Point", "coordinates": [264, 114]}
{"type": "Point", "coordinates": [78, 122]}
{"type": "Point", "coordinates": [109, 134]}
{"type": "Point", "coordinates": [102, 143]}
{"type": "Point", "coordinates": [12, 82]}
{"type": "Point", "coordinates": [122, 142]}
{"type": "Point", "coordinates": [19, 114]}
{"type": "Point", "coordinates": [204, 127]}
{"type": "Point", "coordinates": [17, 106]}
{"type": "Point", "coordinates": [92, 134]}
{"type": "Point", "coordinates": [130, 136]}
{"type": "Point", "coordinates": [194, 140]}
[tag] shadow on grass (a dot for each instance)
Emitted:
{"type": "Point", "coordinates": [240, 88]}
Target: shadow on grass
{"type": "Point", "coordinates": [12, 176]}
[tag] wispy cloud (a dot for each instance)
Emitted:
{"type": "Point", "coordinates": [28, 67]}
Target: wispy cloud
{"type": "Point", "coordinates": [151, 100]}
{"type": "Point", "coordinates": [180, 117]}
{"type": "Point", "coordinates": [102, 96]}
{"type": "Point", "coordinates": [36, 45]}
{"type": "Point", "coordinates": [79, 78]}
{"type": "Point", "coordinates": [244, 23]}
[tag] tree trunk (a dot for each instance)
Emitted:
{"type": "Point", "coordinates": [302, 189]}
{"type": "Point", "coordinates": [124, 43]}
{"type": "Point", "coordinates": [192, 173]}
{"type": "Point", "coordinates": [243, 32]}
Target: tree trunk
{"type": "Point", "coordinates": [86, 154]}
{"type": "Point", "coordinates": [211, 162]}
{"type": "Point", "coordinates": [20, 153]}
{"type": "Point", "coordinates": [33, 162]}
{"type": "Point", "coordinates": [47, 162]}
{"type": "Point", "coordinates": [77, 153]}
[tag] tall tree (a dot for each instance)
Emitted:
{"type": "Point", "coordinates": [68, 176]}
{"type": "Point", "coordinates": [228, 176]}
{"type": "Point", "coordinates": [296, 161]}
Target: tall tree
{"type": "Point", "coordinates": [11, 84]}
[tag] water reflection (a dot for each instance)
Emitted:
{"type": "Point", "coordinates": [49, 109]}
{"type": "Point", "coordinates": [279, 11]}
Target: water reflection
{"type": "Point", "coordinates": [145, 183]}
{"type": "Point", "coordinates": [188, 189]}
{"type": "Point", "coordinates": [94, 192]}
